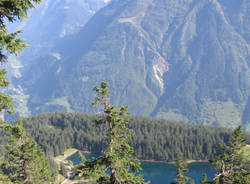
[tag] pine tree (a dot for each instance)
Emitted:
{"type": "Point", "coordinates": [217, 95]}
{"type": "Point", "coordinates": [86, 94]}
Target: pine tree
{"type": "Point", "coordinates": [116, 165]}
{"type": "Point", "coordinates": [230, 161]}
{"type": "Point", "coordinates": [182, 168]}
{"type": "Point", "coordinates": [11, 10]}
{"type": "Point", "coordinates": [3, 178]}
{"type": "Point", "coordinates": [63, 170]}
{"type": "Point", "coordinates": [204, 179]}
{"type": "Point", "coordinates": [24, 162]}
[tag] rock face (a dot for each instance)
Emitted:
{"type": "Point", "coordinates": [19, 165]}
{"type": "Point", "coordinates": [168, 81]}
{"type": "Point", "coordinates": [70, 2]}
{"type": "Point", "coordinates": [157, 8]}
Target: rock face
{"type": "Point", "coordinates": [184, 60]}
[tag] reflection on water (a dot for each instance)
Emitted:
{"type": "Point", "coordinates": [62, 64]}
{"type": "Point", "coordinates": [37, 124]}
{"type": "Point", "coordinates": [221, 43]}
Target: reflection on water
{"type": "Point", "coordinates": [161, 173]}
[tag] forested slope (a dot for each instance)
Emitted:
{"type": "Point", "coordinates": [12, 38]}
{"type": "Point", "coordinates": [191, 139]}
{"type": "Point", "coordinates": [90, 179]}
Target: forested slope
{"type": "Point", "coordinates": [152, 139]}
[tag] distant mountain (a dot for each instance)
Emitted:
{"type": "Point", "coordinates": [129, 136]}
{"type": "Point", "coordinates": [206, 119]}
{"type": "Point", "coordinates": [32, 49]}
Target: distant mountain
{"type": "Point", "coordinates": [184, 60]}
{"type": "Point", "coordinates": [51, 21]}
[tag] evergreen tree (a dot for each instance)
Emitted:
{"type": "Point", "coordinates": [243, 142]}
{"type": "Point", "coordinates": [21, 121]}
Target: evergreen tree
{"type": "Point", "coordinates": [182, 168]}
{"type": "Point", "coordinates": [24, 162]}
{"type": "Point", "coordinates": [204, 179]}
{"type": "Point", "coordinates": [10, 10]}
{"type": "Point", "coordinates": [63, 170]}
{"type": "Point", "coordinates": [143, 140]}
{"type": "Point", "coordinates": [116, 165]}
{"type": "Point", "coordinates": [3, 178]}
{"type": "Point", "coordinates": [230, 161]}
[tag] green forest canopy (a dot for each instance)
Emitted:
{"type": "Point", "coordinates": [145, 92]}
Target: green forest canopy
{"type": "Point", "coordinates": [152, 139]}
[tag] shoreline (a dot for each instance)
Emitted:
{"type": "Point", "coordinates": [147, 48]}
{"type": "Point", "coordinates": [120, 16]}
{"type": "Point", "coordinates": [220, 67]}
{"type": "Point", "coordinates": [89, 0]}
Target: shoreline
{"type": "Point", "coordinates": [65, 156]}
{"type": "Point", "coordinates": [141, 160]}
{"type": "Point", "coordinates": [173, 162]}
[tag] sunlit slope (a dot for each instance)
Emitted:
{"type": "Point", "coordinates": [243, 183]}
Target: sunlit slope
{"type": "Point", "coordinates": [181, 60]}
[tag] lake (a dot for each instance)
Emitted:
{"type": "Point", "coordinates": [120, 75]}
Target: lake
{"type": "Point", "coordinates": [162, 173]}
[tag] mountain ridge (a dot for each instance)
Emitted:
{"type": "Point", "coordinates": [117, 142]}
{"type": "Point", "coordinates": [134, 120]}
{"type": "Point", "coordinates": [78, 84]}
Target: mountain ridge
{"type": "Point", "coordinates": [181, 60]}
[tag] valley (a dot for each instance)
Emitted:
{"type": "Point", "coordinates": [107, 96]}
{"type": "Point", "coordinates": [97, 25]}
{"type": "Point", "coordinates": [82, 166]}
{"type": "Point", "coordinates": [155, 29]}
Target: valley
{"type": "Point", "coordinates": [185, 61]}
{"type": "Point", "coordinates": [125, 91]}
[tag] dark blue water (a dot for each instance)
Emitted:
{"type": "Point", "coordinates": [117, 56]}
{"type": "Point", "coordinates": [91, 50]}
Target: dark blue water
{"type": "Point", "coordinates": [161, 173]}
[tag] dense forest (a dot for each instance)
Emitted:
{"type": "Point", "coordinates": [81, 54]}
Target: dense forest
{"type": "Point", "coordinates": [24, 162]}
{"type": "Point", "coordinates": [152, 139]}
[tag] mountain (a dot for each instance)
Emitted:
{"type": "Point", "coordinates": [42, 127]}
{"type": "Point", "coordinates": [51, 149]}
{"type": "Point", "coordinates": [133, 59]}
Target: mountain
{"type": "Point", "coordinates": [52, 20]}
{"type": "Point", "coordinates": [183, 60]}
{"type": "Point", "coordinates": [48, 23]}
